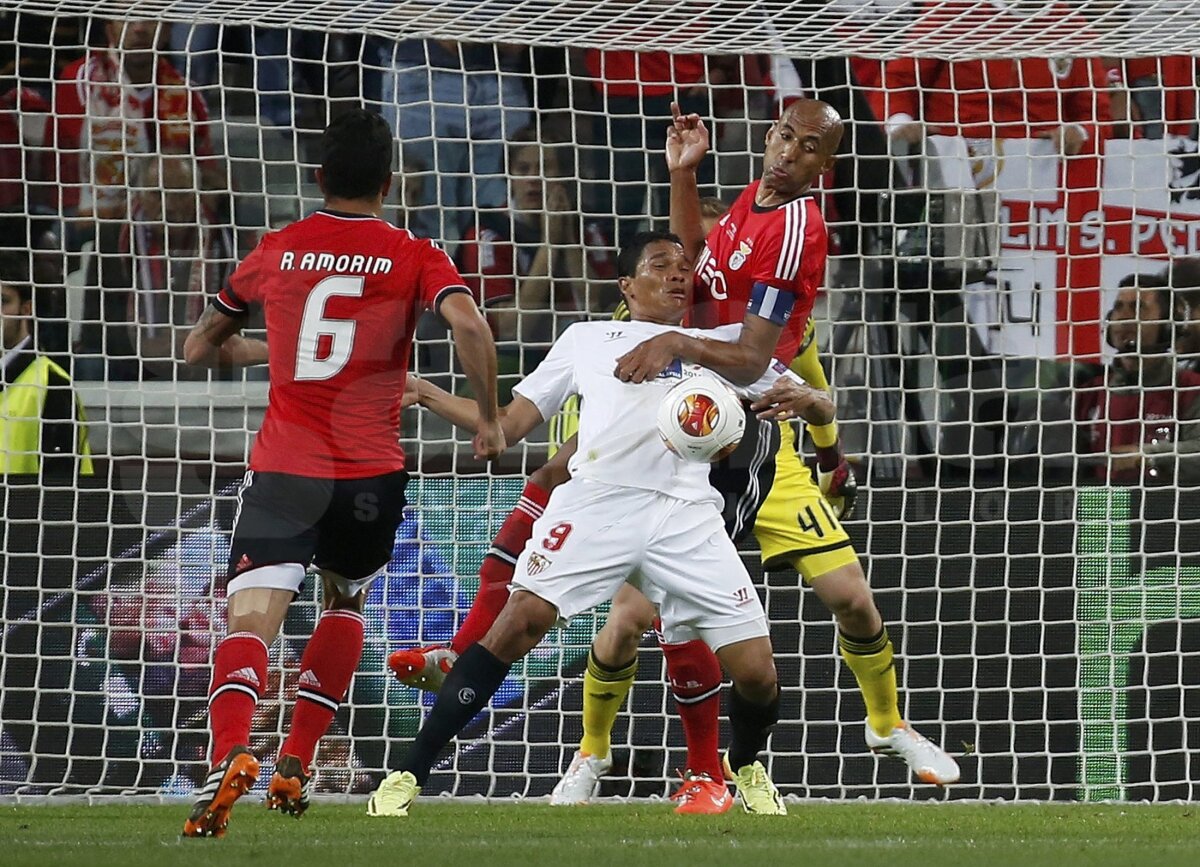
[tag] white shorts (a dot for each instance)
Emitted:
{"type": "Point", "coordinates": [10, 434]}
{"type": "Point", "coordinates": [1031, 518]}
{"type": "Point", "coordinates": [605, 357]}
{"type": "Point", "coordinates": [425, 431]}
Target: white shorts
{"type": "Point", "coordinates": [594, 537]}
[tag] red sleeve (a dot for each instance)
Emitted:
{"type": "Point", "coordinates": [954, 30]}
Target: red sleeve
{"type": "Point", "coordinates": [488, 266]}
{"type": "Point", "coordinates": [244, 288]}
{"type": "Point", "coordinates": [438, 277]}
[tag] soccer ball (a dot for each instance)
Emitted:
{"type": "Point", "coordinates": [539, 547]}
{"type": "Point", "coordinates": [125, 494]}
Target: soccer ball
{"type": "Point", "coordinates": [701, 420]}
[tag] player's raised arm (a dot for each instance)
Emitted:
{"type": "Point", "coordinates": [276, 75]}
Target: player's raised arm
{"type": "Point", "coordinates": [476, 350]}
{"type": "Point", "coordinates": [687, 145]}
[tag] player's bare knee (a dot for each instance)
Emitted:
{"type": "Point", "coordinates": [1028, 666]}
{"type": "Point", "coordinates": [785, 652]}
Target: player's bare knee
{"type": "Point", "coordinates": [616, 643]}
{"type": "Point", "coordinates": [632, 613]}
{"type": "Point", "coordinates": [751, 666]}
{"type": "Point", "coordinates": [858, 615]}
{"type": "Point", "coordinates": [759, 687]}
{"type": "Point", "coordinates": [525, 619]}
{"type": "Point", "coordinates": [336, 597]}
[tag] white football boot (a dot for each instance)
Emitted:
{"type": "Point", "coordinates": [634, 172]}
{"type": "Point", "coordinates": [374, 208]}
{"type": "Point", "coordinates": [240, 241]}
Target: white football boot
{"type": "Point", "coordinates": [581, 782]}
{"type": "Point", "coordinates": [929, 762]}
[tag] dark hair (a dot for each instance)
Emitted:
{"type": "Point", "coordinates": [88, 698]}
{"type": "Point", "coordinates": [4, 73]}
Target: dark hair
{"type": "Point", "coordinates": [356, 155]}
{"type": "Point", "coordinates": [14, 273]}
{"type": "Point", "coordinates": [631, 253]}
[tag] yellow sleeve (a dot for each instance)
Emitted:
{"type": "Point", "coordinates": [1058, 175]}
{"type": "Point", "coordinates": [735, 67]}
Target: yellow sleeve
{"type": "Point", "coordinates": [807, 365]}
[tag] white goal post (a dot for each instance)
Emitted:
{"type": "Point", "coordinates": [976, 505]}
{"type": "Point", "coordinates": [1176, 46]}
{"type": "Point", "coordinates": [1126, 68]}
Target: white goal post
{"type": "Point", "coordinates": [1025, 437]}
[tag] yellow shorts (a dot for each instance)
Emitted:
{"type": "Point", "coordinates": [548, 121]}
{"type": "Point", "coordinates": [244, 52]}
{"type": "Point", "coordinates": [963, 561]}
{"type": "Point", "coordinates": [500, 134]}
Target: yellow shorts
{"type": "Point", "coordinates": [795, 526]}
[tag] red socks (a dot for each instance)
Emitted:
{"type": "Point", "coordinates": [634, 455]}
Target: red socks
{"type": "Point", "coordinates": [239, 676]}
{"type": "Point", "coordinates": [696, 677]}
{"type": "Point", "coordinates": [497, 569]}
{"type": "Point", "coordinates": [326, 668]}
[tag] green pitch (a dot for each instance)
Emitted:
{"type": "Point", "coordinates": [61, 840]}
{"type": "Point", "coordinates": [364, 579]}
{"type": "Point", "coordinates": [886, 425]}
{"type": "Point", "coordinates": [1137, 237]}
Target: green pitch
{"type": "Point", "coordinates": [498, 835]}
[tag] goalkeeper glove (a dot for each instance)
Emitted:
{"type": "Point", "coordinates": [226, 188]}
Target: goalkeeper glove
{"type": "Point", "coordinates": [836, 480]}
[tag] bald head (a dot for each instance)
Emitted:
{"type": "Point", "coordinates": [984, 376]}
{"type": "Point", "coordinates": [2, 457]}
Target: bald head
{"type": "Point", "coordinates": [819, 116]}
{"type": "Point", "coordinates": [800, 146]}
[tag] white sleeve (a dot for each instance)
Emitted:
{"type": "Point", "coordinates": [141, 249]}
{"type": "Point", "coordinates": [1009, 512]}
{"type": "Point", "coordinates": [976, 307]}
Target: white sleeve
{"type": "Point", "coordinates": [554, 379]}
{"type": "Point", "coordinates": [775, 371]}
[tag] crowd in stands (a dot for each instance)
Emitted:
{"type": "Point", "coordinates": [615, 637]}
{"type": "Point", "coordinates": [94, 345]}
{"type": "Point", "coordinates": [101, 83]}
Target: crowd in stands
{"type": "Point", "coordinates": [121, 181]}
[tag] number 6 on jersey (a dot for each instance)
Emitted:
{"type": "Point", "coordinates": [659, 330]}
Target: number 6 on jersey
{"type": "Point", "coordinates": [314, 325]}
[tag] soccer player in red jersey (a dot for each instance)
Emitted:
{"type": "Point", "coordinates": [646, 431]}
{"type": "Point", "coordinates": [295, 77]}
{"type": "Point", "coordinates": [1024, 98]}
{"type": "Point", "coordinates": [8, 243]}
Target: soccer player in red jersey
{"type": "Point", "coordinates": [342, 291]}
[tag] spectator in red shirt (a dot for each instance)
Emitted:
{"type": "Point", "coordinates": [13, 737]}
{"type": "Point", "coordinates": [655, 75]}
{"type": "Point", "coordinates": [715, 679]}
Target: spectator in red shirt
{"type": "Point", "coordinates": [1142, 412]}
{"type": "Point", "coordinates": [123, 100]}
{"type": "Point", "coordinates": [1063, 99]}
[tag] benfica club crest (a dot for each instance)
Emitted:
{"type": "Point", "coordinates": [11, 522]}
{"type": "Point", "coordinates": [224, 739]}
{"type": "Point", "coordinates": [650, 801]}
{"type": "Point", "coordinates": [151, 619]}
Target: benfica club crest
{"type": "Point", "coordinates": [537, 564]}
{"type": "Point", "coordinates": [738, 259]}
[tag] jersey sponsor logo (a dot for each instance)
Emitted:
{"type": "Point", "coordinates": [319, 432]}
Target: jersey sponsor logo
{"type": "Point", "coordinates": [537, 564]}
{"type": "Point", "coordinates": [613, 335]}
{"type": "Point", "coordinates": [466, 695]}
{"type": "Point", "coordinates": [674, 370]}
{"type": "Point", "coordinates": [741, 596]}
{"type": "Point", "coordinates": [739, 256]}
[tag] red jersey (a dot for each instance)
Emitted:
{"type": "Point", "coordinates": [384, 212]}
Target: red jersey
{"type": "Point", "coordinates": [1004, 96]}
{"type": "Point", "coordinates": [342, 294]}
{"type": "Point", "coordinates": [765, 261]}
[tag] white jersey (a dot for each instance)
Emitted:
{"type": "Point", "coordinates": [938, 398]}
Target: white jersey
{"type": "Point", "coordinates": [618, 434]}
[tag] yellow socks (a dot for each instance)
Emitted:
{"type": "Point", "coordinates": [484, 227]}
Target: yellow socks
{"type": "Point", "coordinates": [872, 663]}
{"type": "Point", "coordinates": [604, 691]}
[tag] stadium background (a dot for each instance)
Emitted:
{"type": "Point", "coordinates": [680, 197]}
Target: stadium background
{"type": "Point", "coordinates": [1048, 628]}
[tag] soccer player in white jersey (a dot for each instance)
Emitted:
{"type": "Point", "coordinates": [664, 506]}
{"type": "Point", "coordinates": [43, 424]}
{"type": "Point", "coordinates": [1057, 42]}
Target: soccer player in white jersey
{"type": "Point", "coordinates": [632, 511]}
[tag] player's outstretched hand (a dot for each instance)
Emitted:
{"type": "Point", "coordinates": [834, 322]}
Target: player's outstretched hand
{"type": "Point", "coordinates": [788, 399]}
{"type": "Point", "coordinates": [647, 360]}
{"type": "Point", "coordinates": [687, 140]}
{"type": "Point", "coordinates": [489, 442]}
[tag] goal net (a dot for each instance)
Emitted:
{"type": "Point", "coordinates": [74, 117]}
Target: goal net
{"type": "Point", "coordinates": [1007, 323]}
